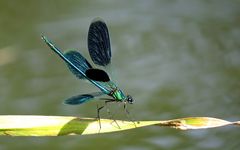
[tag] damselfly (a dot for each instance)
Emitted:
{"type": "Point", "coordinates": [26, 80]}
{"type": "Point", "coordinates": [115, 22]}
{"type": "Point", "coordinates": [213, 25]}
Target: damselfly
{"type": "Point", "coordinates": [100, 51]}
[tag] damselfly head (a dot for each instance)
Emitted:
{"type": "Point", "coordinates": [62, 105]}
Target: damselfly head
{"type": "Point", "coordinates": [129, 99]}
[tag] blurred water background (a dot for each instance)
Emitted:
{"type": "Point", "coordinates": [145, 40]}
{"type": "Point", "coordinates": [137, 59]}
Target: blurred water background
{"type": "Point", "coordinates": [177, 58]}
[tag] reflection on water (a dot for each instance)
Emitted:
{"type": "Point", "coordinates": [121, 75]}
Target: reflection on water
{"type": "Point", "coordinates": [177, 59]}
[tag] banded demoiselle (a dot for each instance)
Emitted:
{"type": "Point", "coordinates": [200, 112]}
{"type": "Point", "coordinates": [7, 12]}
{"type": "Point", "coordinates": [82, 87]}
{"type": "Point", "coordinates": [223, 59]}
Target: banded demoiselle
{"type": "Point", "coordinates": [100, 52]}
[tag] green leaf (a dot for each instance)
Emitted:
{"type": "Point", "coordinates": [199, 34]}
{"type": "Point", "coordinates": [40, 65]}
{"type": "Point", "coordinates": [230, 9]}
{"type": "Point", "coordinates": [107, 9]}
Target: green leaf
{"type": "Point", "coordinates": [17, 125]}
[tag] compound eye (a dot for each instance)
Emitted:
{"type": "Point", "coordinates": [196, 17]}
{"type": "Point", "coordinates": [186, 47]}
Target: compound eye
{"type": "Point", "coordinates": [129, 99]}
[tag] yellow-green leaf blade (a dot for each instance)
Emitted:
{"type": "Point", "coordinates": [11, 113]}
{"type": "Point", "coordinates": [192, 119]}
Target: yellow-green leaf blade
{"type": "Point", "coordinates": [61, 125]}
{"type": "Point", "coordinates": [196, 123]}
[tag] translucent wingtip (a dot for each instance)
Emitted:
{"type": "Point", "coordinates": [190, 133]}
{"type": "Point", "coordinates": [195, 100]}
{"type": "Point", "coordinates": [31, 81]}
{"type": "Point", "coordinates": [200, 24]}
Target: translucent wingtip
{"type": "Point", "coordinates": [97, 19]}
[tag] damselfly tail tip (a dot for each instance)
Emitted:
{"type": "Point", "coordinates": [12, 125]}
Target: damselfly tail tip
{"type": "Point", "coordinates": [43, 37]}
{"type": "Point", "coordinates": [46, 40]}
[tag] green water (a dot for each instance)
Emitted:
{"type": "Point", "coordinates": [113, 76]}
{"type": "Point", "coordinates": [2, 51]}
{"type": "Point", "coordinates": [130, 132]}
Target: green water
{"type": "Point", "coordinates": [177, 58]}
